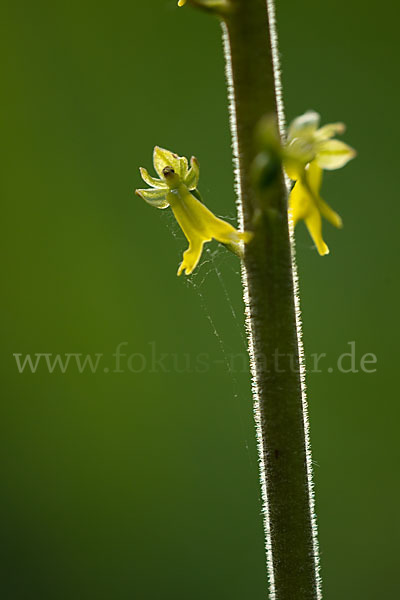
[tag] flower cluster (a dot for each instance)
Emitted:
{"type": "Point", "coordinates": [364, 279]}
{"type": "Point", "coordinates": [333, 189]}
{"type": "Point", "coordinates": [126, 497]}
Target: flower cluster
{"type": "Point", "coordinates": [308, 150]}
{"type": "Point", "coordinates": [175, 188]}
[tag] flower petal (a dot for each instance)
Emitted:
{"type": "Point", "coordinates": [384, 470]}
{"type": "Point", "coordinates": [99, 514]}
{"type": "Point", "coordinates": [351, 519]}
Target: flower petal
{"type": "Point", "coordinates": [156, 198]}
{"type": "Point", "coordinates": [192, 178]}
{"type": "Point", "coordinates": [304, 125]}
{"type": "Point", "coordinates": [314, 226]}
{"type": "Point", "coordinates": [191, 256]}
{"type": "Point", "coordinates": [328, 131]}
{"type": "Point", "coordinates": [314, 177]}
{"type": "Point", "coordinates": [300, 202]}
{"type": "Point", "coordinates": [200, 225]}
{"type": "Point", "coordinates": [184, 166]}
{"type": "Point", "coordinates": [238, 241]}
{"type": "Point", "coordinates": [193, 217]}
{"type": "Point", "coordinates": [152, 181]}
{"type": "Point", "coordinates": [314, 180]}
{"type": "Point", "coordinates": [333, 154]}
{"type": "Point", "coordinates": [329, 214]}
{"type": "Point", "coordinates": [164, 158]}
{"type": "Point", "coordinates": [294, 167]}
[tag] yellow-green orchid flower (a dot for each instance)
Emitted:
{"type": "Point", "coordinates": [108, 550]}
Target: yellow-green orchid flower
{"type": "Point", "coordinates": [173, 188]}
{"type": "Point", "coordinates": [307, 151]}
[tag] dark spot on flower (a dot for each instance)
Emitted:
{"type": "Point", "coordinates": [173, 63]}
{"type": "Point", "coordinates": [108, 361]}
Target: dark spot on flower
{"type": "Point", "coordinates": [168, 171]}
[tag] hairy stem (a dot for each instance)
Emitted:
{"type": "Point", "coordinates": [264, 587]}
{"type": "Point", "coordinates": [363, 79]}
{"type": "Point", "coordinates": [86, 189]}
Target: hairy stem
{"type": "Point", "coordinates": [269, 278]}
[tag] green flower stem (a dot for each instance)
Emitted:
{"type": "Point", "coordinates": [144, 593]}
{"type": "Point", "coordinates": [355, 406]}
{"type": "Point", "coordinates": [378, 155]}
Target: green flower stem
{"type": "Point", "coordinates": [269, 278]}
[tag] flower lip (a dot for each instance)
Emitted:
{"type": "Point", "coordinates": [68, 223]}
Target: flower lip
{"type": "Point", "coordinates": [198, 223]}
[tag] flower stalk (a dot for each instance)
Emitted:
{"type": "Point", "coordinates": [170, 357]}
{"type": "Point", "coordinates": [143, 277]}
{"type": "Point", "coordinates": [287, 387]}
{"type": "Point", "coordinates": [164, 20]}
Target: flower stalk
{"type": "Point", "coordinates": [273, 322]}
{"type": "Point", "coordinates": [272, 311]}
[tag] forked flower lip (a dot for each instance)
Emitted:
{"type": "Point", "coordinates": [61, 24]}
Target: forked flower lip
{"type": "Point", "coordinates": [197, 222]}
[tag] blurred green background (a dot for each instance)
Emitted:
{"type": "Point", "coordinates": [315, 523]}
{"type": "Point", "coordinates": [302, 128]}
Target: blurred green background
{"type": "Point", "coordinates": [143, 483]}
